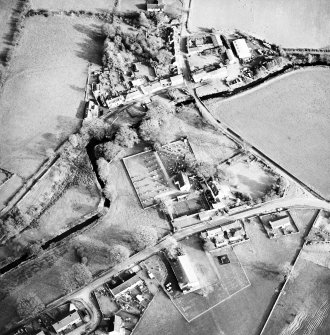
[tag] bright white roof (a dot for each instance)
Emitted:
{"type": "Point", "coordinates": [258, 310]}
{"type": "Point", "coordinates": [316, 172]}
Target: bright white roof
{"type": "Point", "coordinates": [241, 48]}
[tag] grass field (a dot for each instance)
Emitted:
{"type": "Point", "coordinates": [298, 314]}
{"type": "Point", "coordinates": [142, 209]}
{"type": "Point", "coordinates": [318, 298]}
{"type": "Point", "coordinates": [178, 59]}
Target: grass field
{"type": "Point", "coordinates": [304, 309]}
{"type": "Point", "coordinates": [42, 101]}
{"type": "Point", "coordinates": [292, 23]}
{"type": "Point", "coordinates": [6, 9]}
{"type": "Point", "coordinates": [288, 121]}
{"type": "Point", "coordinates": [94, 5]}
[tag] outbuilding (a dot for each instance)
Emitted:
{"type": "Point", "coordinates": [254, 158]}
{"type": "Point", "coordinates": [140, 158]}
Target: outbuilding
{"type": "Point", "coordinates": [242, 50]}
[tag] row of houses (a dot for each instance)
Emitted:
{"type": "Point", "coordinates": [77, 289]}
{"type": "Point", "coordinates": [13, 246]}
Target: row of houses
{"type": "Point", "coordinates": [93, 110]}
{"type": "Point", "coordinates": [225, 235]}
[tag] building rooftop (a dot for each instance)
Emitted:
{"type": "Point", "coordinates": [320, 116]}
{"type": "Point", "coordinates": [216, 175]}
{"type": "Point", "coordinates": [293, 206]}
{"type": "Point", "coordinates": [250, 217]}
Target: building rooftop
{"type": "Point", "coordinates": [280, 223]}
{"type": "Point", "coordinates": [242, 50]}
{"type": "Point", "coordinates": [72, 318]}
{"type": "Point", "coordinates": [128, 284]}
{"type": "Point", "coordinates": [185, 273]}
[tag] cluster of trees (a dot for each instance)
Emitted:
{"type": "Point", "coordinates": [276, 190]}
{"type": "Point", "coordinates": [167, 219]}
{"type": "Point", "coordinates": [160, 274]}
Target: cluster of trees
{"type": "Point", "coordinates": [125, 137]}
{"type": "Point", "coordinates": [143, 237]}
{"type": "Point", "coordinates": [156, 119]}
{"type": "Point", "coordinates": [79, 275]}
{"type": "Point", "coordinates": [94, 129]}
{"type": "Point", "coordinates": [96, 252]}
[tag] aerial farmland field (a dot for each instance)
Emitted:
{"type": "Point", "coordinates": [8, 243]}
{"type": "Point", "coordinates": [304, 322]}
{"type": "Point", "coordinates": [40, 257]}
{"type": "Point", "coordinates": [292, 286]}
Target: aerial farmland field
{"type": "Point", "coordinates": [7, 7]}
{"type": "Point", "coordinates": [294, 23]}
{"type": "Point", "coordinates": [43, 99]}
{"type": "Point", "coordinates": [287, 120]}
{"type": "Point", "coordinates": [95, 5]}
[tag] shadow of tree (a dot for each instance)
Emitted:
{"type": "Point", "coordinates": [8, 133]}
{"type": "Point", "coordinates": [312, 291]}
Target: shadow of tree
{"type": "Point", "coordinates": [91, 49]}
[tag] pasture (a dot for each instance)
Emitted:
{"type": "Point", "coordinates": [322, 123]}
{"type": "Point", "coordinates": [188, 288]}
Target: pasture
{"type": "Point", "coordinates": [7, 8]}
{"type": "Point", "coordinates": [304, 309]}
{"type": "Point", "coordinates": [87, 5]}
{"type": "Point", "coordinates": [292, 23]}
{"type": "Point", "coordinates": [43, 99]}
{"type": "Point", "coordinates": [287, 120]}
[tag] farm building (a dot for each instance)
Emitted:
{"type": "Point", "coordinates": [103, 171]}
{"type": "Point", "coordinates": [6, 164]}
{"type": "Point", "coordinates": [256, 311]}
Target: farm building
{"type": "Point", "coordinates": [155, 5]}
{"type": "Point", "coordinates": [137, 82]}
{"type": "Point", "coordinates": [118, 326]}
{"type": "Point", "coordinates": [182, 182]}
{"type": "Point", "coordinates": [242, 49]}
{"type": "Point", "coordinates": [92, 110]}
{"type": "Point", "coordinates": [177, 80]}
{"type": "Point", "coordinates": [280, 223]}
{"type": "Point", "coordinates": [153, 87]}
{"type": "Point", "coordinates": [231, 57]}
{"type": "Point", "coordinates": [126, 286]}
{"type": "Point", "coordinates": [216, 40]}
{"type": "Point", "coordinates": [185, 274]}
{"type": "Point", "coordinates": [115, 102]}
{"type": "Point", "coordinates": [73, 319]}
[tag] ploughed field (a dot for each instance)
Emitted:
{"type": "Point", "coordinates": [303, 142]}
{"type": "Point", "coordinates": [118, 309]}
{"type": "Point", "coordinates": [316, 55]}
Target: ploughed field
{"type": "Point", "coordinates": [289, 121]}
{"type": "Point", "coordinates": [294, 23]}
{"type": "Point", "coordinates": [43, 98]}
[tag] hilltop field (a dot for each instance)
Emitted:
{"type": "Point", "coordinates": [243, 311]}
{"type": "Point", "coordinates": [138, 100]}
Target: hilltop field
{"type": "Point", "coordinates": [95, 5]}
{"type": "Point", "coordinates": [288, 120]}
{"type": "Point", "coordinates": [308, 22]}
{"type": "Point", "coordinates": [43, 99]}
{"type": "Point", "coordinates": [7, 7]}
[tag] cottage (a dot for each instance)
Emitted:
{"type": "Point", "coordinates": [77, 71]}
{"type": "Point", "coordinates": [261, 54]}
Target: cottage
{"type": "Point", "coordinates": [182, 182]}
{"type": "Point", "coordinates": [185, 274]}
{"type": "Point", "coordinates": [155, 5]}
{"type": "Point", "coordinates": [177, 80]}
{"type": "Point", "coordinates": [115, 102]}
{"type": "Point", "coordinates": [280, 223]}
{"type": "Point", "coordinates": [137, 82]}
{"type": "Point", "coordinates": [92, 110]}
{"type": "Point", "coordinates": [241, 48]}
{"type": "Point", "coordinates": [73, 319]}
{"type": "Point", "coordinates": [126, 286]}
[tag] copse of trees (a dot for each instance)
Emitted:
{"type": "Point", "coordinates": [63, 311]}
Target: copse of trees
{"type": "Point", "coordinates": [156, 118]}
{"type": "Point", "coordinates": [29, 304]}
{"type": "Point", "coordinates": [126, 137]}
{"type": "Point", "coordinates": [143, 237]}
{"type": "Point", "coordinates": [79, 275]}
{"type": "Point", "coordinates": [97, 252]}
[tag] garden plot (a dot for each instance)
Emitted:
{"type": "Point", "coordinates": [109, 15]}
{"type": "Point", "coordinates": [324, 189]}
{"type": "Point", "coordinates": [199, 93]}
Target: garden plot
{"type": "Point", "coordinates": [190, 206]}
{"type": "Point", "coordinates": [250, 177]}
{"type": "Point", "coordinates": [173, 155]}
{"type": "Point", "coordinates": [148, 177]}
